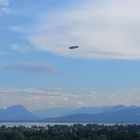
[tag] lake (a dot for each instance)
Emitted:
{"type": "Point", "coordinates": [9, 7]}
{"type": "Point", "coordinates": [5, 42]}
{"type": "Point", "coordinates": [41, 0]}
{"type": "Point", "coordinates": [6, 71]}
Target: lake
{"type": "Point", "coordinates": [30, 124]}
{"type": "Point", "coordinates": [43, 124]}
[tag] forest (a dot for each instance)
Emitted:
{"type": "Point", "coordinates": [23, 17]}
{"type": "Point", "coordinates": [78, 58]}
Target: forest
{"type": "Point", "coordinates": [74, 132]}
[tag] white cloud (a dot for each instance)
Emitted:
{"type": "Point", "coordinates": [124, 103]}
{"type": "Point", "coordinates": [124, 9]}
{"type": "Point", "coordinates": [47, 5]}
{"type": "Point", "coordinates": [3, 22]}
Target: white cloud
{"type": "Point", "coordinates": [17, 28]}
{"type": "Point", "coordinates": [103, 29]}
{"type": "Point", "coordinates": [35, 98]}
{"type": "Point", "coordinates": [4, 2]}
{"type": "Point", "coordinates": [21, 48]}
{"type": "Point", "coordinates": [5, 7]}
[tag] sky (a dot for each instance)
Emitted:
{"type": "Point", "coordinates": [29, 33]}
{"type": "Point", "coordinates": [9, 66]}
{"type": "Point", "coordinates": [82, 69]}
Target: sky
{"type": "Point", "coordinates": [38, 70]}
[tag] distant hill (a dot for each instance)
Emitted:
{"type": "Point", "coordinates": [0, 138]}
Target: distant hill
{"type": "Point", "coordinates": [112, 114]}
{"type": "Point", "coordinates": [17, 113]}
{"type": "Point", "coordinates": [58, 112]}
{"type": "Point", "coordinates": [128, 115]}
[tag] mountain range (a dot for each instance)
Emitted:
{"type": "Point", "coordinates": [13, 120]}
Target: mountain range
{"type": "Point", "coordinates": [17, 113]}
{"type": "Point", "coordinates": [128, 115]}
{"type": "Point", "coordinates": [107, 114]}
{"type": "Point", "coordinates": [59, 112]}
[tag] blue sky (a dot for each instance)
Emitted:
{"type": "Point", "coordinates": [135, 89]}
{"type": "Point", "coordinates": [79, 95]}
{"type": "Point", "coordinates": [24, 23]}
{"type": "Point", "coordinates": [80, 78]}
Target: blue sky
{"type": "Point", "coordinates": [37, 66]}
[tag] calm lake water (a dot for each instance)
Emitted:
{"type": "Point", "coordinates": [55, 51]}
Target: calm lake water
{"type": "Point", "coordinates": [30, 124]}
{"type": "Point", "coordinates": [43, 124]}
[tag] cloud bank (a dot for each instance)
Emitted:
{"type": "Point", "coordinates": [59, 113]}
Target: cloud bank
{"type": "Point", "coordinates": [35, 98]}
{"type": "Point", "coordinates": [103, 29]}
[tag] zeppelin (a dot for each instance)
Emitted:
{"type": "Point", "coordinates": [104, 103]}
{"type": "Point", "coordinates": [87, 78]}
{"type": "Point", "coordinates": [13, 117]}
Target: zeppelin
{"type": "Point", "coordinates": [73, 47]}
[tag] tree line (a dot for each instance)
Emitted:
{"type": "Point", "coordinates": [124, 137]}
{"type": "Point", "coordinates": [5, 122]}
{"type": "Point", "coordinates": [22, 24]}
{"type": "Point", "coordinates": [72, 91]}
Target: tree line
{"type": "Point", "coordinates": [75, 132]}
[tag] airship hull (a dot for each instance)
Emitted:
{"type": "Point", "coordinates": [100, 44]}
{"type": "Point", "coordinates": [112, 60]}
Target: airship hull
{"type": "Point", "coordinates": [73, 47]}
